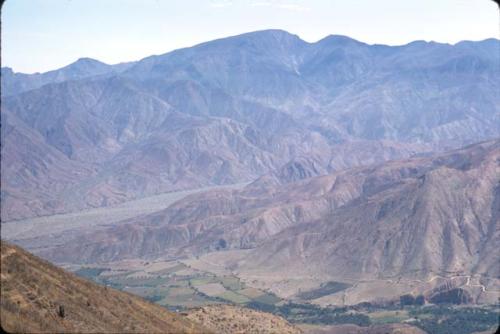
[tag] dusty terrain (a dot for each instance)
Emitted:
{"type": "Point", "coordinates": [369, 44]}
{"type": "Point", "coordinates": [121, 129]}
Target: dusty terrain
{"type": "Point", "coordinates": [412, 226]}
{"type": "Point", "coordinates": [225, 319]}
{"type": "Point", "coordinates": [386, 229]}
{"type": "Point", "coordinates": [40, 232]}
{"type": "Point", "coordinates": [353, 329]}
{"type": "Point", "coordinates": [230, 110]}
{"type": "Point", "coordinates": [33, 292]}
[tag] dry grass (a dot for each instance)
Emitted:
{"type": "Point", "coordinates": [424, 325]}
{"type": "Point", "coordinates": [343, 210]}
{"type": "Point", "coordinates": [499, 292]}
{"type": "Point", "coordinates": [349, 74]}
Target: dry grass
{"type": "Point", "coordinates": [353, 329]}
{"type": "Point", "coordinates": [225, 319]}
{"type": "Point", "coordinates": [33, 290]}
{"type": "Point", "coordinates": [211, 289]}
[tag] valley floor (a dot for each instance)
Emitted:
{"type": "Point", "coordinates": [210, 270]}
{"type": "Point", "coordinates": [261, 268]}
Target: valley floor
{"type": "Point", "coordinates": [320, 304]}
{"type": "Point", "coordinates": [485, 290]}
{"type": "Point", "coordinates": [182, 285]}
{"type": "Point", "coordinates": [36, 232]}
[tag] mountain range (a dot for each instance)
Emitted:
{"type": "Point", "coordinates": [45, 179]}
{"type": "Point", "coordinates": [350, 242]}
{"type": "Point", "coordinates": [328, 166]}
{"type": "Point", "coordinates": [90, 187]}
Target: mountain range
{"type": "Point", "coordinates": [233, 110]}
{"type": "Point", "coordinates": [405, 218]}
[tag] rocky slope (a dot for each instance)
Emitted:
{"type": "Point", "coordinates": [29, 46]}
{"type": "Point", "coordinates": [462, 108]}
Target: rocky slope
{"type": "Point", "coordinates": [37, 297]}
{"type": "Point", "coordinates": [224, 319]}
{"type": "Point", "coordinates": [234, 109]}
{"type": "Point", "coordinates": [40, 298]}
{"type": "Point", "coordinates": [373, 329]}
{"type": "Point", "coordinates": [408, 218]}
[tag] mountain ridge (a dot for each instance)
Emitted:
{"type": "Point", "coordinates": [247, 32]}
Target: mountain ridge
{"type": "Point", "coordinates": [274, 219]}
{"type": "Point", "coordinates": [273, 97]}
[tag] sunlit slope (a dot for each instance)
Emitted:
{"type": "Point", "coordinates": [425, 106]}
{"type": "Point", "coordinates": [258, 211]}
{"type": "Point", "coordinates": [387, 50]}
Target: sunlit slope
{"type": "Point", "coordinates": [38, 297]}
{"type": "Point", "coordinates": [230, 110]}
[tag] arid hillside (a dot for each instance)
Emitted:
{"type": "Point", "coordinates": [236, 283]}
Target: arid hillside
{"type": "Point", "coordinates": [37, 297]}
{"type": "Point", "coordinates": [410, 217]}
{"type": "Point", "coordinates": [230, 110]}
{"type": "Point", "coordinates": [353, 329]}
{"type": "Point", "coordinates": [225, 319]}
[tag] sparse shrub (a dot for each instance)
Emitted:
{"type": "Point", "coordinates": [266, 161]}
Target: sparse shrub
{"type": "Point", "coordinates": [420, 300]}
{"type": "Point", "coordinates": [222, 243]}
{"type": "Point", "coordinates": [453, 296]}
{"type": "Point", "coordinates": [61, 312]}
{"type": "Point", "coordinates": [406, 300]}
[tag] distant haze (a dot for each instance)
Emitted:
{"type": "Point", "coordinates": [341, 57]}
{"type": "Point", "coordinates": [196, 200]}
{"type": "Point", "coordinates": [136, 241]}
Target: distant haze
{"type": "Point", "coordinates": [230, 110]}
{"type": "Point", "coordinates": [40, 35]}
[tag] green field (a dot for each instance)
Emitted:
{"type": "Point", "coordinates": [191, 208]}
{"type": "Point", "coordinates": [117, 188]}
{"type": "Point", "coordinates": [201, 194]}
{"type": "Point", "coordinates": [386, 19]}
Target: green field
{"type": "Point", "coordinates": [137, 282]}
{"type": "Point", "coordinates": [171, 270]}
{"type": "Point", "coordinates": [169, 288]}
{"type": "Point", "coordinates": [251, 293]}
{"type": "Point", "coordinates": [90, 273]}
{"type": "Point", "coordinates": [179, 291]}
{"type": "Point", "coordinates": [234, 297]}
{"type": "Point", "coordinates": [387, 317]}
{"type": "Point", "coordinates": [445, 319]}
{"type": "Point", "coordinates": [231, 283]}
{"type": "Point", "coordinates": [267, 298]}
{"type": "Point", "coordinates": [324, 290]}
{"type": "Point", "coordinates": [202, 280]}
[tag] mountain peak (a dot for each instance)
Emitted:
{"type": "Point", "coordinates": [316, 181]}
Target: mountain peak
{"type": "Point", "coordinates": [339, 39]}
{"type": "Point", "coordinates": [7, 70]}
{"type": "Point", "coordinates": [275, 33]}
{"type": "Point", "coordinates": [262, 38]}
{"type": "Point", "coordinates": [85, 61]}
{"type": "Point", "coordinates": [84, 67]}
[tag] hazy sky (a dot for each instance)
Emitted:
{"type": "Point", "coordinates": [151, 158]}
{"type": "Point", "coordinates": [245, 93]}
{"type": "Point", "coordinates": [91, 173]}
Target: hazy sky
{"type": "Point", "coordinates": [41, 35]}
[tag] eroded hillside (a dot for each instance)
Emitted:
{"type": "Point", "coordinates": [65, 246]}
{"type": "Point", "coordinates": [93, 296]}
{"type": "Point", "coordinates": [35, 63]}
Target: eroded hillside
{"type": "Point", "coordinates": [37, 297]}
{"type": "Point", "coordinates": [230, 110]}
{"type": "Point", "coordinates": [409, 217]}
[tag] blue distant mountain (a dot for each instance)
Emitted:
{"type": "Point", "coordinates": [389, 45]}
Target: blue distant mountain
{"type": "Point", "coordinates": [232, 110]}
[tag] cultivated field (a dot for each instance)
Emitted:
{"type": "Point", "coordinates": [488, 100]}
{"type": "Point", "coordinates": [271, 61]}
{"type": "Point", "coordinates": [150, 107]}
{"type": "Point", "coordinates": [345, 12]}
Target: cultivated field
{"type": "Point", "coordinates": [175, 284]}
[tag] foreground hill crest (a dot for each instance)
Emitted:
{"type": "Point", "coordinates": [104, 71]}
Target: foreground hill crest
{"type": "Point", "coordinates": [37, 297]}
